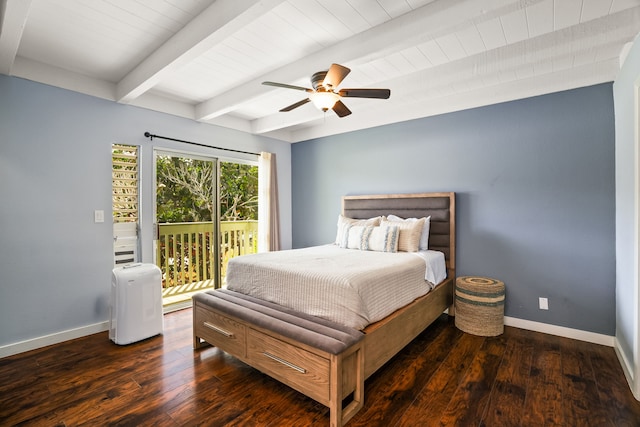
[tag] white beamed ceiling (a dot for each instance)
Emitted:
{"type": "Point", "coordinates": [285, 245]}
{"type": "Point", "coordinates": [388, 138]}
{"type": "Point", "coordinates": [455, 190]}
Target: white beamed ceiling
{"type": "Point", "coordinates": [205, 59]}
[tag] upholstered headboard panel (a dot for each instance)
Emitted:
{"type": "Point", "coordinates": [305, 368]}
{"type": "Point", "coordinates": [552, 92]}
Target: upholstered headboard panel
{"type": "Point", "coordinates": [440, 206]}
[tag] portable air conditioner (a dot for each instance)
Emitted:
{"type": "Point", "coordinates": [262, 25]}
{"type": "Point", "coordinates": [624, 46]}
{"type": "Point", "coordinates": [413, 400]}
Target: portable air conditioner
{"type": "Point", "coordinates": [136, 303]}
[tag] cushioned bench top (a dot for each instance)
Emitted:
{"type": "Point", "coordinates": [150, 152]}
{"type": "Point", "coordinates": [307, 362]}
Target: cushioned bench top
{"type": "Point", "coordinates": [314, 331]}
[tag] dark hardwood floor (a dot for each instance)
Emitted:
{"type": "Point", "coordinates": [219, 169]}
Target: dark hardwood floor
{"type": "Point", "coordinates": [444, 377]}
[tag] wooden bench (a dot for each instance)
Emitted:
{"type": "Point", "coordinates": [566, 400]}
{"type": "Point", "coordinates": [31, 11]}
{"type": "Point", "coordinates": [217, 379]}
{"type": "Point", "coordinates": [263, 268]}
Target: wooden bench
{"type": "Point", "coordinates": [319, 358]}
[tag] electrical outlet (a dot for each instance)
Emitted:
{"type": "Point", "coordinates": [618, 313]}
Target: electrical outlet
{"type": "Point", "coordinates": [543, 303]}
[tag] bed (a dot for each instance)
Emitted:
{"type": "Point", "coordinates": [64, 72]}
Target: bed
{"type": "Point", "coordinates": [319, 357]}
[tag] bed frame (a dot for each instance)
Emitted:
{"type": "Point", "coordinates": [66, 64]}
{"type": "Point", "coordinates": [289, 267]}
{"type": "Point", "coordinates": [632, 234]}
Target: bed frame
{"type": "Point", "coordinates": [331, 378]}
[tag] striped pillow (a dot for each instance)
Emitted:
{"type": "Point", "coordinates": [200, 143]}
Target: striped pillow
{"type": "Point", "coordinates": [343, 227]}
{"type": "Point", "coordinates": [410, 232]}
{"type": "Point", "coordinates": [357, 236]}
{"type": "Point", "coordinates": [383, 239]}
{"type": "Point", "coordinates": [424, 238]}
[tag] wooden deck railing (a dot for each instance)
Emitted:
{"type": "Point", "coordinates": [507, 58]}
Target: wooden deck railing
{"type": "Point", "coordinates": [185, 252]}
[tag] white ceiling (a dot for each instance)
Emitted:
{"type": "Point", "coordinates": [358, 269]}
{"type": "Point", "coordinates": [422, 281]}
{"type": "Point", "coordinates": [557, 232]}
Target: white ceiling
{"type": "Point", "coordinates": [206, 59]}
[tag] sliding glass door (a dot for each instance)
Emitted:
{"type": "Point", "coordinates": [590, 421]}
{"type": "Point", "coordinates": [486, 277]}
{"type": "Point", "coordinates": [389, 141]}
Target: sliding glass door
{"type": "Point", "coordinates": [186, 218]}
{"type": "Point", "coordinates": [206, 214]}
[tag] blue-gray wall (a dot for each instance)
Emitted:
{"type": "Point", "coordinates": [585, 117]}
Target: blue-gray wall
{"type": "Point", "coordinates": [535, 195]}
{"type": "Point", "coordinates": [55, 170]}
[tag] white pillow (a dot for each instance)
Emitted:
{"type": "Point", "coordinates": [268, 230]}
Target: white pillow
{"type": "Point", "coordinates": [343, 230]}
{"type": "Point", "coordinates": [410, 233]}
{"type": "Point", "coordinates": [383, 239]}
{"type": "Point", "coordinates": [424, 237]}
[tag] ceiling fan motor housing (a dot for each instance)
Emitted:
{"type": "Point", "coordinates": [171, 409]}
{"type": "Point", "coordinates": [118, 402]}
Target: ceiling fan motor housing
{"type": "Point", "coordinates": [317, 79]}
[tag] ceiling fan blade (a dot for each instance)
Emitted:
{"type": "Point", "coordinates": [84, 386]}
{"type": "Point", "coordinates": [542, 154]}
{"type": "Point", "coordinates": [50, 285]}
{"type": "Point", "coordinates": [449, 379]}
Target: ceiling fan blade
{"type": "Point", "coordinates": [340, 109]}
{"type": "Point", "coordinates": [365, 93]}
{"type": "Point", "coordinates": [286, 86]}
{"type": "Point", "coordinates": [296, 105]}
{"type": "Point", "coordinates": [335, 75]}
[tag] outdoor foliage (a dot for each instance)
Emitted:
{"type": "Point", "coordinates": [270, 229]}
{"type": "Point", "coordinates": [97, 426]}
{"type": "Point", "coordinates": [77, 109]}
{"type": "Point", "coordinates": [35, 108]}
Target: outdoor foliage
{"type": "Point", "coordinates": [185, 190]}
{"type": "Point", "coordinates": [238, 192]}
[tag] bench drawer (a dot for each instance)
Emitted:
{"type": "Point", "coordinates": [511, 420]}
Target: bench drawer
{"type": "Point", "coordinates": [300, 369]}
{"type": "Point", "coordinates": [221, 331]}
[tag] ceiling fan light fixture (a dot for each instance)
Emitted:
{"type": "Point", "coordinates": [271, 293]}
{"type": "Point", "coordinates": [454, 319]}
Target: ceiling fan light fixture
{"type": "Point", "coordinates": [325, 97]}
{"type": "Point", "coordinates": [324, 100]}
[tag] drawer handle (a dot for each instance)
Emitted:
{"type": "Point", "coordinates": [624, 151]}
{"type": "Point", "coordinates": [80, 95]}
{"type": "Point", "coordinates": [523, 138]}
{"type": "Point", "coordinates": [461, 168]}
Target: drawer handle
{"type": "Point", "coordinates": [219, 330]}
{"type": "Point", "coordinates": [284, 362]}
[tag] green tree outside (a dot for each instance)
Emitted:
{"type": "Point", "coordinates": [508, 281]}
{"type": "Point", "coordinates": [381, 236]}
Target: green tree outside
{"type": "Point", "coordinates": [185, 190]}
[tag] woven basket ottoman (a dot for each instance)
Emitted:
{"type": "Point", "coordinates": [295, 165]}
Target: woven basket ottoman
{"type": "Point", "coordinates": [479, 305]}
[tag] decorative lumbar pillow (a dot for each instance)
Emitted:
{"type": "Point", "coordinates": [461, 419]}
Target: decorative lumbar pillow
{"type": "Point", "coordinates": [357, 236]}
{"type": "Point", "coordinates": [424, 237]}
{"type": "Point", "coordinates": [343, 230]}
{"type": "Point", "coordinates": [383, 239]}
{"type": "Point", "coordinates": [410, 232]}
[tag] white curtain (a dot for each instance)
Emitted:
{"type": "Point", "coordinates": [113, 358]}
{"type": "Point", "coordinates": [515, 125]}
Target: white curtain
{"type": "Point", "coordinates": [268, 217]}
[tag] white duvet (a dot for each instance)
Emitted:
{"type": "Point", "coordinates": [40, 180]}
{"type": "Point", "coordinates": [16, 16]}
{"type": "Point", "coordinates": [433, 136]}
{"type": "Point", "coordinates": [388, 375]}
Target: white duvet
{"type": "Point", "coordinates": [347, 286]}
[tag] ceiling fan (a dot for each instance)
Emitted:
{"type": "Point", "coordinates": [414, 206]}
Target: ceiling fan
{"type": "Point", "coordinates": [324, 94]}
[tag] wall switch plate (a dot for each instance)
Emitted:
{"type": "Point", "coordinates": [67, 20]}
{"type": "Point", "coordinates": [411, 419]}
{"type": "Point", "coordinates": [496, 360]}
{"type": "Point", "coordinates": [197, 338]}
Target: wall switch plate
{"type": "Point", "coordinates": [543, 303]}
{"type": "Point", "coordinates": [98, 216]}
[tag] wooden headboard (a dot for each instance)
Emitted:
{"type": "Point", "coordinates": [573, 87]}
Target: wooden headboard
{"type": "Point", "coordinates": [440, 206]}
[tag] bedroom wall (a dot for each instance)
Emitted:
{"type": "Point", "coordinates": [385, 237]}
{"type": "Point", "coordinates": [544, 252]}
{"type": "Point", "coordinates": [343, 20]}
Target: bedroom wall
{"type": "Point", "coordinates": [55, 170]}
{"type": "Point", "coordinates": [535, 195]}
{"type": "Point", "coordinates": [625, 92]}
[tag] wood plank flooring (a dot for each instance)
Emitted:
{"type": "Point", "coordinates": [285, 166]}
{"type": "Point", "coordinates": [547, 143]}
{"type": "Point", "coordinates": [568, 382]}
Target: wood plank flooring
{"type": "Point", "coordinates": [444, 377]}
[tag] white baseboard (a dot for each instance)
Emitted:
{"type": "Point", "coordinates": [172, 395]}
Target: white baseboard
{"type": "Point", "coordinates": [627, 368]}
{"type": "Point", "coordinates": [58, 337]}
{"type": "Point", "coordinates": [32, 344]}
{"type": "Point", "coordinates": [560, 331]}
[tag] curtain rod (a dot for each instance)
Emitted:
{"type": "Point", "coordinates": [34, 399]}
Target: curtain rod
{"type": "Point", "coordinates": [151, 136]}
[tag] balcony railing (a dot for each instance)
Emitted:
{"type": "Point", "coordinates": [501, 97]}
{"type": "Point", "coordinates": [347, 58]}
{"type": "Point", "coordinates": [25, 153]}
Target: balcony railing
{"type": "Point", "coordinates": [185, 250]}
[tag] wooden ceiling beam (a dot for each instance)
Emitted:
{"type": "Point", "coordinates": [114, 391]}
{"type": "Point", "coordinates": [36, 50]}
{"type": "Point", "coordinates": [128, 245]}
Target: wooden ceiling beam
{"type": "Point", "coordinates": [13, 18]}
{"type": "Point", "coordinates": [213, 25]}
